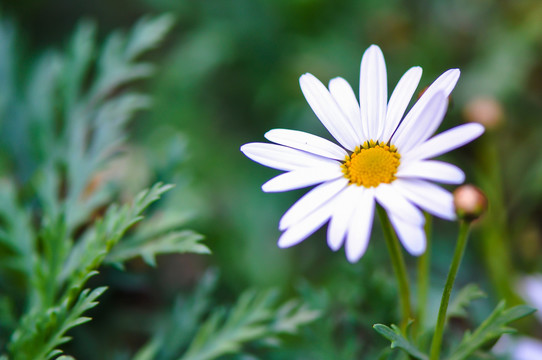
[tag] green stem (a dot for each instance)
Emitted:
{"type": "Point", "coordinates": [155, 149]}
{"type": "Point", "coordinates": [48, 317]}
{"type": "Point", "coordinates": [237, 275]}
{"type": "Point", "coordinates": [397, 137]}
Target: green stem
{"type": "Point", "coordinates": [423, 275]}
{"type": "Point", "coordinates": [399, 267]}
{"type": "Point", "coordinates": [452, 273]}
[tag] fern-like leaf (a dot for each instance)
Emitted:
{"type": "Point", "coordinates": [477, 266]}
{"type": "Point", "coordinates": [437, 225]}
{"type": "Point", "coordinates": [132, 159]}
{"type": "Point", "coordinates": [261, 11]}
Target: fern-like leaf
{"type": "Point", "coordinates": [398, 340]}
{"type": "Point", "coordinates": [252, 318]}
{"type": "Point", "coordinates": [490, 330]}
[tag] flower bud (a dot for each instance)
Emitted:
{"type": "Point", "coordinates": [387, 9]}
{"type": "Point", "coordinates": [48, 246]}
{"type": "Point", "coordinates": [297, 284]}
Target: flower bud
{"type": "Point", "coordinates": [470, 202]}
{"type": "Point", "coordinates": [484, 110]}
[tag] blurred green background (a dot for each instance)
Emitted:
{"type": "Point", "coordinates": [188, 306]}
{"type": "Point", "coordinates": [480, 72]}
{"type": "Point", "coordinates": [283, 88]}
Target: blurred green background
{"type": "Point", "coordinates": [229, 72]}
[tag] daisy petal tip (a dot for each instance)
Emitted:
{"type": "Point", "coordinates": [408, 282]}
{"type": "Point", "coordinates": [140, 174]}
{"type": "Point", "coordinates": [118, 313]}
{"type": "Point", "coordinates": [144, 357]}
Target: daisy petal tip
{"type": "Point", "coordinates": [416, 248]}
{"type": "Point", "coordinates": [455, 72]}
{"type": "Point", "coordinates": [268, 189]}
{"type": "Point", "coordinates": [283, 244]}
{"type": "Point", "coordinates": [416, 73]}
{"type": "Point", "coordinates": [243, 148]}
{"type": "Point", "coordinates": [373, 48]}
{"type": "Point", "coordinates": [416, 68]}
{"type": "Point", "coordinates": [334, 246]}
{"type": "Point", "coordinates": [306, 77]}
{"type": "Point", "coordinates": [478, 128]}
{"type": "Point", "coordinates": [353, 257]}
{"type": "Point", "coordinates": [286, 240]}
{"type": "Point", "coordinates": [284, 223]}
{"type": "Point", "coordinates": [418, 251]}
{"type": "Point", "coordinates": [269, 133]}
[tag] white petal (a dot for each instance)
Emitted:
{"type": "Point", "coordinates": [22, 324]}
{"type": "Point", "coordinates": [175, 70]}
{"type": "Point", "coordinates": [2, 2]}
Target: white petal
{"type": "Point", "coordinates": [359, 230]}
{"type": "Point", "coordinates": [427, 123]}
{"type": "Point", "coordinates": [394, 202]}
{"type": "Point", "coordinates": [327, 110]}
{"type": "Point", "coordinates": [306, 142]}
{"type": "Point", "coordinates": [412, 236]}
{"type": "Point", "coordinates": [444, 142]}
{"type": "Point", "coordinates": [432, 170]}
{"type": "Point", "coordinates": [311, 201]}
{"type": "Point", "coordinates": [399, 100]}
{"type": "Point", "coordinates": [373, 92]}
{"type": "Point", "coordinates": [284, 158]}
{"type": "Point", "coordinates": [344, 206]}
{"type": "Point", "coordinates": [343, 94]}
{"type": "Point", "coordinates": [300, 178]}
{"type": "Point", "coordinates": [428, 196]}
{"type": "Point", "coordinates": [306, 227]}
{"type": "Point", "coordinates": [445, 83]}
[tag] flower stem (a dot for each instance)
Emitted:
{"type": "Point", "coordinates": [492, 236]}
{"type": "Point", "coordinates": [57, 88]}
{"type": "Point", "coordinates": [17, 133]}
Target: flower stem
{"type": "Point", "coordinates": [399, 267]}
{"type": "Point", "coordinates": [452, 273]}
{"type": "Point", "coordinates": [423, 275]}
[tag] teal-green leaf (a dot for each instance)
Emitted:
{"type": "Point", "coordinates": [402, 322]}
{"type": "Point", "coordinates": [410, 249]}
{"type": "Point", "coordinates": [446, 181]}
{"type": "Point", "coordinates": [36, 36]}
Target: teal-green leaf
{"type": "Point", "coordinates": [490, 330]}
{"type": "Point", "coordinates": [463, 299]}
{"type": "Point", "coordinates": [397, 339]}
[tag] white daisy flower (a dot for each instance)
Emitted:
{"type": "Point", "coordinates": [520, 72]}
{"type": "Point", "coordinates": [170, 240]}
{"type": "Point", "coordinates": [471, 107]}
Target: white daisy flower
{"type": "Point", "coordinates": [381, 157]}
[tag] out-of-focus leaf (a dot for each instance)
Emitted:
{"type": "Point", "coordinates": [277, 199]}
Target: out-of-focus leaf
{"type": "Point", "coordinates": [252, 318]}
{"type": "Point", "coordinates": [176, 329]}
{"type": "Point", "coordinates": [42, 333]}
{"type": "Point", "coordinates": [176, 242]}
{"type": "Point", "coordinates": [491, 329]}
{"type": "Point", "coordinates": [398, 340]}
{"type": "Point", "coordinates": [458, 305]}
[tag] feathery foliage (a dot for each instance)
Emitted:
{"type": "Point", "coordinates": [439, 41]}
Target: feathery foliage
{"type": "Point", "coordinates": [63, 128]}
{"type": "Point", "coordinates": [196, 332]}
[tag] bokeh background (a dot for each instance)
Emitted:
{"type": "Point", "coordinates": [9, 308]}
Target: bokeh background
{"type": "Point", "coordinates": [229, 72]}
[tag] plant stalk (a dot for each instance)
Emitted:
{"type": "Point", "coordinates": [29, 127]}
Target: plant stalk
{"type": "Point", "coordinates": [452, 273]}
{"type": "Point", "coordinates": [399, 267]}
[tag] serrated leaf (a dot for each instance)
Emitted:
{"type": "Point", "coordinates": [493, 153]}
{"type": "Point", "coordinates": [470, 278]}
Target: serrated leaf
{"type": "Point", "coordinates": [397, 339]}
{"type": "Point", "coordinates": [65, 122]}
{"type": "Point", "coordinates": [176, 242]}
{"type": "Point", "coordinates": [179, 326]}
{"type": "Point", "coordinates": [147, 34]}
{"type": "Point", "coordinates": [252, 318]}
{"type": "Point", "coordinates": [490, 330]}
{"type": "Point", "coordinates": [463, 299]}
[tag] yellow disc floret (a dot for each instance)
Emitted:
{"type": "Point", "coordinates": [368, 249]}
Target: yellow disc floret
{"type": "Point", "coordinates": [372, 164]}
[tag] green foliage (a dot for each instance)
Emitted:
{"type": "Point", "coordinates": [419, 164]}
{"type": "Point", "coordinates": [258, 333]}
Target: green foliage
{"type": "Point", "coordinates": [185, 241]}
{"type": "Point", "coordinates": [398, 340]}
{"type": "Point", "coordinates": [487, 333]}
{"type": "Point", "coordinates": [175, 330]}
{"type": "Point", "coordinates": [490, 330]}
{"type": "Point", "coordinates": [55, 229]}
{"type": "Point", "coordinates": [40, 334]}
{"type": "Point", "coordinates": [257, 316]}
{"type": "Point", "coordinates": [458, 305]}
{"type": "Point", "coordinates": [252, 318]}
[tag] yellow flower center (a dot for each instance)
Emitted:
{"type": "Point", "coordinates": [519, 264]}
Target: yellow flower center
{"type": "Point", "coordinates": [372, 164]}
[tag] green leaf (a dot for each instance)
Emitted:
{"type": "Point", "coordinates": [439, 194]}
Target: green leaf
{"type": "Point", "coordinates": [147, 34]}
{"type": "Point", "coordinates": [463, 299]}
{"type": "Point", "coordinates": [177, 327]}
{"type": "Point", "coordinates": [42, 333]}
{"type": "Point", "coordinates": [179, 242]}
{"type": "Point", "coordinates": [91, 251]}
{"type": "Point", "coordinates": [398, 340]}
{"type": "Point", "coordinates": [490, 330]}
{"type": "Point", "coordinates": [252, 318]}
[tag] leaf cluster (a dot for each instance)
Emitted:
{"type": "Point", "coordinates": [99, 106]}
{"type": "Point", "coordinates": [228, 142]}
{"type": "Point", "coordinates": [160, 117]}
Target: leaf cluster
{"type": "Point", "coordinates": [479, 341]}
{"type": "Point", "coordinates": [61, 127]}
{"type": "Point", "coordinates": [196, 331]}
